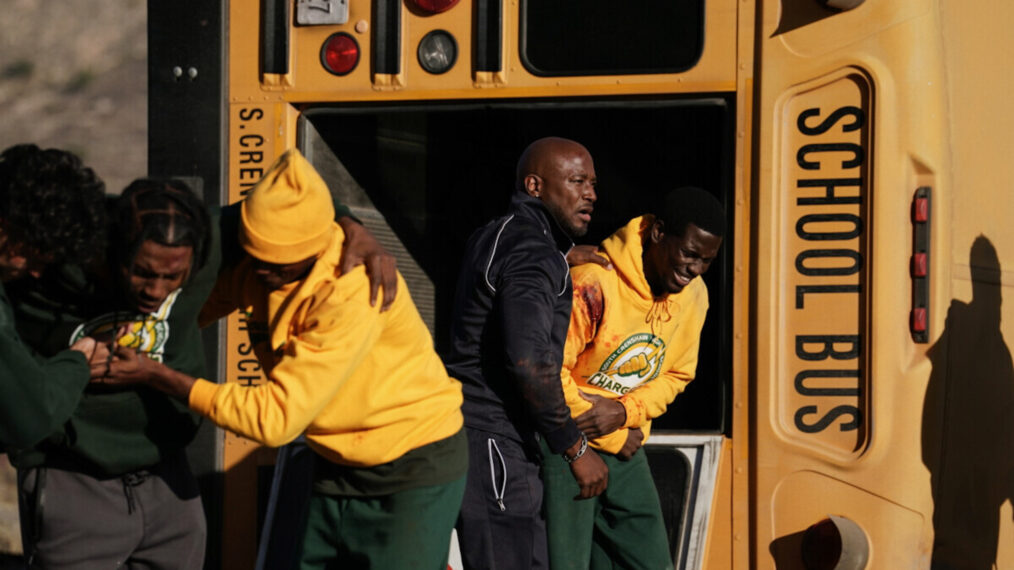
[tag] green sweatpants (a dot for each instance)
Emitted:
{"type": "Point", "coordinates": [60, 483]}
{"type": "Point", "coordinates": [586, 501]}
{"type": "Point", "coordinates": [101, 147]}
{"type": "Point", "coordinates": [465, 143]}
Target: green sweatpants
{"type": "Point", "coordinates": [621, 528]}
{"type": "Point", "coordinates": [406, 529]}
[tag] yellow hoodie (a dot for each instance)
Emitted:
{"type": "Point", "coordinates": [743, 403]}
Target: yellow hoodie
{"type": "Point", "coordinates": [625, 344]}
{"type": "Point", "coordinates": [366, 387]}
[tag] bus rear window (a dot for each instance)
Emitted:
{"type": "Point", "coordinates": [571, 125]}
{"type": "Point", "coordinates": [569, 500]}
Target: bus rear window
{"type": "Point", "coordinates": [605, 37]}
{"type": "Point", "coordinates": [422, 177]}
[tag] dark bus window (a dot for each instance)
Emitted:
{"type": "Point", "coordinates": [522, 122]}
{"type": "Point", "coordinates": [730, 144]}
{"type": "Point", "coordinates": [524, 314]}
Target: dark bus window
{"type": "Point", "coordinates": [605, 37]}
{"type": "Point", "coordinates": [433, 173]}
{"type": "Point", "coordinates": [673, 476]}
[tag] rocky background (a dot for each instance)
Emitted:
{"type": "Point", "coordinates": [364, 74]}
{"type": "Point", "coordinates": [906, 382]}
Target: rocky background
{"type": "Point", "coordinates": [73, 75]}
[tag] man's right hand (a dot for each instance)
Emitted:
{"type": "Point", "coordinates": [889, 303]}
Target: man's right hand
{"type": "Point", "coordinates": [130, 367]}
{"type": "Point", "coordinates": [96, 352]}
{"type": "Point", "coordinates": [127, 368]}
{"type": "Point", "coordinates": [591, 474]}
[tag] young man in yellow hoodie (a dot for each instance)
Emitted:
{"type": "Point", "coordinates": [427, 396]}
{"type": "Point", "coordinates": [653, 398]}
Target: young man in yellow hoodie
{"type": "Point", "coordinates": [631, 348]}
{"type": "Point", "coordinates": [366, 388]}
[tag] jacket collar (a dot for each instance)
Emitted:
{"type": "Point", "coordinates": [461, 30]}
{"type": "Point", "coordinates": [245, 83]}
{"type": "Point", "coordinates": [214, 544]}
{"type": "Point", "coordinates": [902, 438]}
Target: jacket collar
{"type": "Point", "coordinates": [531, 207]}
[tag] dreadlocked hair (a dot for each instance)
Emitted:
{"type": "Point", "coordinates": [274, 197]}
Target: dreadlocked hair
{"type": "Point", "coordinates": [165, 211]}
{"type": "Point", "coordinates": [51, 204]}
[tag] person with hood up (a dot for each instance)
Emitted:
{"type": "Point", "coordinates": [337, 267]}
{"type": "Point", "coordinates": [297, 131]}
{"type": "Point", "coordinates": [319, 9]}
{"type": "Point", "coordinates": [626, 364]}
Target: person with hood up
{"type": "Point", "coordinates": [365, 387]}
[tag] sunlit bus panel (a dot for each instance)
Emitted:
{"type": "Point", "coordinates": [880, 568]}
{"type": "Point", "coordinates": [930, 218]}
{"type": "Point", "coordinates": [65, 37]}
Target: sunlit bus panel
{"type": "Point", "coordinates": [853, 361]}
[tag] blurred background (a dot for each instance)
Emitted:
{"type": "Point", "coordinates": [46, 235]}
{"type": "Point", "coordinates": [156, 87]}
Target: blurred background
{"type": "Point", "coordinates": [73, 75]}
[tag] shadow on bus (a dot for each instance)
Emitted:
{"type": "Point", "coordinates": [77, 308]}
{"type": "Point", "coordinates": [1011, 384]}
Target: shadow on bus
{"type": "Point", "coordinates": [786, 551]}
{"type": "Point", "coordinates": [968, 422]}
{"type": "Point", "coordinates": [798, 13]}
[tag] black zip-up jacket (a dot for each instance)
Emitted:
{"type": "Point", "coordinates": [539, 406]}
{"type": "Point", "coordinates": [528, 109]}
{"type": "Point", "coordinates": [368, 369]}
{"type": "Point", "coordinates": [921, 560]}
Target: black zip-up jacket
{"type": "Point", "coordinates": [511, 313]}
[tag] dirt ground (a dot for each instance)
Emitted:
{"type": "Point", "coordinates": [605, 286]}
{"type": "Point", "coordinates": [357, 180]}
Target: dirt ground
{"type": "Point", "coordinates": [10, 537]}
{"type": "Point", "coordinates": [73, 75]}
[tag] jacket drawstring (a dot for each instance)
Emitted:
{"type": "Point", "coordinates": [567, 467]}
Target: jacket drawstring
{"type": "Point", "coordinates": [497, 494]}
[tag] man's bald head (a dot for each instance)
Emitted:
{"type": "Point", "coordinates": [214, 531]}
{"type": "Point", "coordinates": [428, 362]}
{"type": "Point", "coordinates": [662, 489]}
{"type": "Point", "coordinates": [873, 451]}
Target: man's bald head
{"type": "Point", "coordinates": [561, 174]}
{"type": "Point", "coordinates": [540, 153]}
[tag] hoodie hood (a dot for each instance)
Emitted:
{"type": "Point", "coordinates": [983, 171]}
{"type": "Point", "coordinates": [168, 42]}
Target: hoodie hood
{"type": "Point", "coordinates": [626, 344]}
{"type": "Point", "coordinates": [625, 249]}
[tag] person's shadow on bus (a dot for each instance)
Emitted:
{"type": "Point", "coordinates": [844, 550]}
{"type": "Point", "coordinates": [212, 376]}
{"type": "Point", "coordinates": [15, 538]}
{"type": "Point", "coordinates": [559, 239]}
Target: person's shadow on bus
{"type": "Point", "coordinates": [968, 422]}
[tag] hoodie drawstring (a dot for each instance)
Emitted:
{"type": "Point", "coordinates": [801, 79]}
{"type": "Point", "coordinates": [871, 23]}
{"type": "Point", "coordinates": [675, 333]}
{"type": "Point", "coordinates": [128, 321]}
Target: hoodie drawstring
{"type": "Point", "coordinates": [658, 314]}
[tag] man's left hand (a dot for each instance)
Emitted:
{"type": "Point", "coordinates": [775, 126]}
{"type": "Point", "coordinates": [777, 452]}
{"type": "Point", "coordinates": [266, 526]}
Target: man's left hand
{"type": "Point", "coordinates": [635, 437]}
{"type": "Point", "coordinates": [605, 416]}
{"type": "Point", "coordinates": [361, 248]}
{"type": "Point", "coordinates": [580, 254]}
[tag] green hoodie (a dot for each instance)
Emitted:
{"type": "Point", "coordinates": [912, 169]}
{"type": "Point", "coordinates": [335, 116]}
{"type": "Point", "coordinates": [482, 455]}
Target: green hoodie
{"type": "Point", "coordinates": [117, 431]}
{"type": "Point", "coordinates": [37, 396]}
{"type": "Point", "coordinates": [113, 432]}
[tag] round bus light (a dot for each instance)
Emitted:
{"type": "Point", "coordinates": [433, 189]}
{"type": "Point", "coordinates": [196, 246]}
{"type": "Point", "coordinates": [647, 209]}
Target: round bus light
{"type": "Point", "coordinates": [835, 543]}
{"type": "Point", "coordinates": [339, 54]}
{"type": "Point", "coordinates": [438, 51]}
{"type": "Point", "coordinates": [433, 6]}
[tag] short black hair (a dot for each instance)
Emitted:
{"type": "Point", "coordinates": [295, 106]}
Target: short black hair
{"type": "Point", "coordinates": [51, 204]}
{"type": "Point", "coordinates": [165, 211]}
{"type": "Point", "coordinates": [690, 205]}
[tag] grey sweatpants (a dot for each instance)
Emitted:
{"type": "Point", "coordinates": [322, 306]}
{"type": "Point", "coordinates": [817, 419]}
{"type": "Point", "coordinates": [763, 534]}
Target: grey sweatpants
{"type": "Point", "coordinates": [148, 519]}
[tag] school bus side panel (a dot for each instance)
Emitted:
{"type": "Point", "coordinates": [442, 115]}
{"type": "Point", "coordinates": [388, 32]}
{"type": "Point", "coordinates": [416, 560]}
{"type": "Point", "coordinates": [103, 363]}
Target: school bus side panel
{"type": "Point", "coordinates": [259, 127]}
{"type": "Point", "coordinates": [850, 125]}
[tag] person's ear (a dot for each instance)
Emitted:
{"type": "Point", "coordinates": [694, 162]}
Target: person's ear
{"type": "Point", "coordinates": [657, 231]}
{"type": "Point", "coordinates": [533, 185]}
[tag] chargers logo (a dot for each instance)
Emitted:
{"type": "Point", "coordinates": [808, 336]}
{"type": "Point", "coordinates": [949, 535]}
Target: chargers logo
{"type": "Point", "coordinates": [637, 360]}
{"type": "Point", "coordinates": [145, 333]}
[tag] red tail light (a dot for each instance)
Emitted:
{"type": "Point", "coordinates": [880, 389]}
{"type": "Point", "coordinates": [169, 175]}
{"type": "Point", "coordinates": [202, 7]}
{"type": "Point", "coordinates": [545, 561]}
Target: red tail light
{"type": "Point", "coordinates": [920, 264]}
{"type": "Point", "coordinates": [434, 6]}
{"type": "Point", "coordinates": [340, 54]}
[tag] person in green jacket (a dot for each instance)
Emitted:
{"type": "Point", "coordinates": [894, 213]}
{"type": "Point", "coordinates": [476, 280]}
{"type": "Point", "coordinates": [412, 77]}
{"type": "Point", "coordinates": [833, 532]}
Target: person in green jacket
{"type": "Point", "coordinates": [50, 210]}
{"type": "Point", "coordinates": [120, 458]}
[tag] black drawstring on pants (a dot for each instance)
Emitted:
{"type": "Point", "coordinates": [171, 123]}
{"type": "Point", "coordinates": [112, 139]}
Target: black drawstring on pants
{"type": "Point", "coordinates": [131, 480]}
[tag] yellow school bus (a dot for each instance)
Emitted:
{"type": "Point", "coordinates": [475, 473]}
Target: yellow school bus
{"type": "Point", "coordinates": [854, 401]}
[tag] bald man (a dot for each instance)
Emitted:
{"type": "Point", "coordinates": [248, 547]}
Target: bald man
{"type": "Point", "coordinates": [512, 310]}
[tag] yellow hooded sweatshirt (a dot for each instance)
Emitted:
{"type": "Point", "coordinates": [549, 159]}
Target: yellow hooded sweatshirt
{"type": "Point", "coordinates": [625, 344]}
{"type": "Point", "coordinates": [366, 387]}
